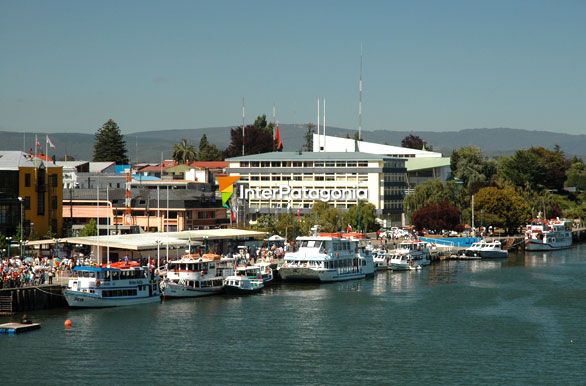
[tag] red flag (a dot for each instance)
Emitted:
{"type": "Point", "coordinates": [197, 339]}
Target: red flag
{"type": "Point", "coordinates": [278, 139]}
{"type": "Point", "coordinates": [37, 143]}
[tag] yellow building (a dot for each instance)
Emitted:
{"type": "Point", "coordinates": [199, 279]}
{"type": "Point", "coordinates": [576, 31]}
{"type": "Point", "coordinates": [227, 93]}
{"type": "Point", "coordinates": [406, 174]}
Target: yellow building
{"type": "Point", "coordinates": [34, 188]}
{"type": "Point", "coordinates": [41, 187]}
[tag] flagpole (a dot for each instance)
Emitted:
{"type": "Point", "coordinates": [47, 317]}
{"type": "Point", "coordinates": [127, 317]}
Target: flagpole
{"type": "Point", "coordinates": [46, 145]}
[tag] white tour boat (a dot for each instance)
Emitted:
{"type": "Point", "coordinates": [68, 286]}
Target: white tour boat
{"type": "Point", "coordinates": [260, 270]}
{"type": "Point", "coordinates": [120, 284]}
{"type": "Point", "coordinates": [486, 250]}
{"type": "Point", "coordinates": [242, 285]}
{"type": "Point", "coordinates": [380, 259]}
{"type": "Point", "coordinates": [410, 255]}
{"type": "Point", "coordinates": [194, 276]}
{"type": "Point", "coordinates": [544, 235]}
{"type": "Point", "coordinates": [326, 258]}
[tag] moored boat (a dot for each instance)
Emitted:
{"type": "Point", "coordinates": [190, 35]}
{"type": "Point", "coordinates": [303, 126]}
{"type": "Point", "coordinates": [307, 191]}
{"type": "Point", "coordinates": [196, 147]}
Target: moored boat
{"type": "Point", "coordinates": [326, 258]}
{"type": "Point", "coordinates": [119, 284]}
{"type": "Point", "coordinates": [486, 250]}
{"type": "Point", "coordinates": [242, 285]}
{"type": "Point", "coordinates": [544, 235]}
{"type": "Point", "coordinates": [194, 276]}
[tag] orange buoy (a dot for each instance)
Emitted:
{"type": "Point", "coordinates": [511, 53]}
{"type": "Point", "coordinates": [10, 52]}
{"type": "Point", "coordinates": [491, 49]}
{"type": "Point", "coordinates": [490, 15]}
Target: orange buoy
{"type": "Point", "coordinates": [68, 323]}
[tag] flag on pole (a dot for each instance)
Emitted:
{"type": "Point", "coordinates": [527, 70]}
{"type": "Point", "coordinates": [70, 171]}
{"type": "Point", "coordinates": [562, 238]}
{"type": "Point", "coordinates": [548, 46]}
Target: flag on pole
{"type": "Point", "coordinates": [37, 143]}
{"type": "Point", "coordinates": [50, 143]}
{"type": "Point", "coordinates": [278, 139]}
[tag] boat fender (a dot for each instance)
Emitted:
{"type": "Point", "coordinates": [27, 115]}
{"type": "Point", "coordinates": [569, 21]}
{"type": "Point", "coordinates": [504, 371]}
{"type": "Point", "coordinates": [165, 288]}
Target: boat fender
{"type": "Point", "coordinates": [98, 282]}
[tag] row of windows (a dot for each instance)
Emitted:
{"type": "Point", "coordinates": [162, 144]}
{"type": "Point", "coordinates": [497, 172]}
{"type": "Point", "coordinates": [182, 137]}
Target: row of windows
{"type": "Point", "coordinates": [394, 164]}
{"type": "Point", "coordinates": [390, 177]}
{"type": "Point", "coordinates": [307, 177]}
{"type": "Point", "coordinates": [204, 283]}
{"type": "Point", "coordinates": [53, 179]}
{"type": "Point", "coordinates": [393, 204]}
{"type": "Point", "coordinates": [304, 164]}
{"type": "Point", "coordinates": [394, 191]}
{"type": "Point", "coordinates": [119, 292]}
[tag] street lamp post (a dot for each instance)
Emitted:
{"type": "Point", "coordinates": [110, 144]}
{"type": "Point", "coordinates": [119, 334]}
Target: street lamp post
{"type": "Point", "coordinates": [9, 241]}
{"type": "Point", "coordinates": [20, 199]}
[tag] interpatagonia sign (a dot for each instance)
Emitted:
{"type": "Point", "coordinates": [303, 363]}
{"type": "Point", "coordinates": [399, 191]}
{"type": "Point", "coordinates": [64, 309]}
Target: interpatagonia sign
{"type": "Point", "coordinates": [285, 192]}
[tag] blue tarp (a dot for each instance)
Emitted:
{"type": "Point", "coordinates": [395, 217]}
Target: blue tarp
{"type": "Point", "coordinates": [452, 241]}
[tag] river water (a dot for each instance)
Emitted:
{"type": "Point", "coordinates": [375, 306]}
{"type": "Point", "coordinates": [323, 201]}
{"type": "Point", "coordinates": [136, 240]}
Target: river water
{"type": "Point", "coordinates": [515, 321]}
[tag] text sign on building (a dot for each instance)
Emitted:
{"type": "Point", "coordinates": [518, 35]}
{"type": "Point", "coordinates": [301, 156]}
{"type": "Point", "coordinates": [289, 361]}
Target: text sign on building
{"type": "Point", "coordinates": [285, 192]}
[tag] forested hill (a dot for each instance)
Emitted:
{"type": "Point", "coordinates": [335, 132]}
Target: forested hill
{"type": "Point", "coordinates": [148, 145]}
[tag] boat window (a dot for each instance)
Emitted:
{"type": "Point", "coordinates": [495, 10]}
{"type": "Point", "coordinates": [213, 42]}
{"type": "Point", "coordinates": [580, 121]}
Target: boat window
{"type": "Point", "coordinates": [116, 275]}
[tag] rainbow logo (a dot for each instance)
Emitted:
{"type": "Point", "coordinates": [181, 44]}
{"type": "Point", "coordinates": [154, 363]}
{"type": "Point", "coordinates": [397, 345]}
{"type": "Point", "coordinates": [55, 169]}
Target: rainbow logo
{"type": "Point", "coordinates": [227, 188]}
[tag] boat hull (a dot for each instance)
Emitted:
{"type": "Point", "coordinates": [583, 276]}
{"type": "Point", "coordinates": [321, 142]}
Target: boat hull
{"type": "Point", "coordinates": [494, 254]}
{"type": "Point", "coordinates": [232, 290]}
{"type": "Point", "coordinates": [318, 275]}
{"type": "Point", "coordinates": [76, 299]}
{"type": "Point", "coordinates": [541, 246]}
{"type": "Point", "coordinates": [173, 290]}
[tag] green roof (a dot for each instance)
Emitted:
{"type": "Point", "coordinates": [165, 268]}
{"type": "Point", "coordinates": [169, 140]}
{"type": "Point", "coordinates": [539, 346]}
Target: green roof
{"type": "Point", "coordinates": [422, 163]}
{"type": "Point", "coordinates": [309, 156]}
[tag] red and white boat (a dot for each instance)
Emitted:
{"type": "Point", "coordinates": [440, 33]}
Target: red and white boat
{"type": "Point", "coordinates": [547, 235]}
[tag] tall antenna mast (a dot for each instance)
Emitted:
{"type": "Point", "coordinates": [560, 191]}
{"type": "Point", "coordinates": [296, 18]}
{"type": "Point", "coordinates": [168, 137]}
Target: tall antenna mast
{"type": "Point", "coordinates": [319, 148]}
{"type": "Point", "coordinates": [360, 99]}
{"type": "Point", "coordinates": [324, 118]}
{"type": "Point", "coordinates": [242, 125]}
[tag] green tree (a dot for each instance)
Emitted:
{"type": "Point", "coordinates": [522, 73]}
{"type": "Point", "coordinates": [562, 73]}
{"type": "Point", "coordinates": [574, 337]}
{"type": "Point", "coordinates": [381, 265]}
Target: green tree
{"type": "Point", "coordinates": [184, 152]}
{"type": "Point", "coordinates": [208, 151]}
{"type": "Point", "coordinates": [502, 207]}
{"type": "Point", "coordinates": [110, 144]}
{"type": "Point", "coordinates": [472, 168]}
{"type": "Point", "coordinates": [431, 191]}
{"type": "Point", "coordinates": [361, 217]}
{"type": "Point", "coordinates": [258, 138]}
{"type": "Point", "coordinates": [308, 145]}
{"type": "Point", "coordinates": [90, 229]}
{"type": "Point", "coordinates": [576, 174]}
{"type": "Point", "coordinates": [535, 168]}
{"type": "Point", "coordinates": [328, 218]}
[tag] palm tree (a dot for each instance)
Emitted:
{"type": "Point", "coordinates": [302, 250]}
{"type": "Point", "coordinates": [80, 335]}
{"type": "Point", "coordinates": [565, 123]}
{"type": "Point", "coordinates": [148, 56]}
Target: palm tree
{"type": "Point", "coordinates": [183, 152]}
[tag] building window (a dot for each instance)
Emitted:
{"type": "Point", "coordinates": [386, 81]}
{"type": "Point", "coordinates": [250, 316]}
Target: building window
{"type": "Point", "coordinates": [4, 214]}
{"type": "Point", "coordinates": [27, 180]}
{"type": "Point", "coordinates": [54, 202]}
{"type": "Point", "coordinates": [27, 203]}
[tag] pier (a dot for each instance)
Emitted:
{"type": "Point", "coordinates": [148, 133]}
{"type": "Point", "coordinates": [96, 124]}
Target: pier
{"type": "Point", "coordinates": [31, 298]}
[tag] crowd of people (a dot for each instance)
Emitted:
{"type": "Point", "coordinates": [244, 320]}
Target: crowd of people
{"type": "Point", "coordinates": [18, 272]}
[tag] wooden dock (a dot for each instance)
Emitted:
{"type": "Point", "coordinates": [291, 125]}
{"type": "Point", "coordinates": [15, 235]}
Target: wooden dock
{"type": "Point", "coordinates": [17, 328]}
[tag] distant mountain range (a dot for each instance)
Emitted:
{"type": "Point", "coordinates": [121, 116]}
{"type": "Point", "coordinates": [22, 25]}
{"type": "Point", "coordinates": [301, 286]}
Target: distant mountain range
{"type": "Point", "coordinates": [147, 146]}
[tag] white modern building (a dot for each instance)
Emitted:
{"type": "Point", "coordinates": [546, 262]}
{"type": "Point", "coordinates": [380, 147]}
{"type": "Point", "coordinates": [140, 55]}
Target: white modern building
{"type": "Point", "coordinates": [421, 165]}
{"type": "Point", "coordinates": [292, 181]}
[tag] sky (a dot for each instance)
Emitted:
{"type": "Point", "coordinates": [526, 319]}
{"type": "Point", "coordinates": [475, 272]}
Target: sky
{"type": "Point", "coordinates": [69, 66]}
